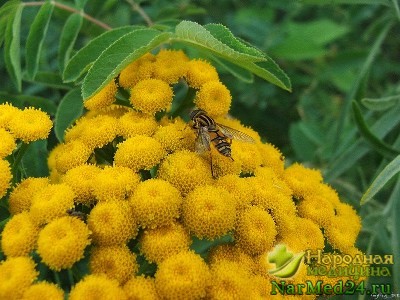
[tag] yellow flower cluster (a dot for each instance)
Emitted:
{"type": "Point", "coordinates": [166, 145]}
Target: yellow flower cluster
{"type": "Point", "coordinates": [148, 194]}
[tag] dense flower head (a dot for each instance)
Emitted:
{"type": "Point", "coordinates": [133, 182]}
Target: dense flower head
{"type": "Point", "coordinates": [199, 72]}
{"type": "Point", "coordinates": [8, 144]}
{"type": "Point", "coordinates": [247, 154]}
{"type": "Point", "coordinates": [19, 235]}
{"type": "Point", "coordinates": [136, 71]}
{"type": "Point", "coordinates": [71, 155]}
{"type": "Point", "coordinates": [97, 287]}
{"type": "Point", "coordinates": [302, 180]}
{"type": "Point", "coordinates": [43, 290]}
{"type": "Point", "coordinates": [214, 98]}
{"type": "Point", "coordinates": [116, 262]}
{"type": "Point", "coordinates": [170, 65]}
{"type": "Point", "coordinates": [182, 276]}
{"type": "Point", "coordinates": [141, 288]}
{"type": "Point", "coordinates": [7, 112]}
{"type": "Point", "coordinates": [62, 242]}
{"type": "Point", "coordinates": [16, 275]}
{"type": "Point", "coordinates": [112, 223]}
{"type": "Point", "coordinates": [103, 98]}
{"type": "Point", "coordinates": [232, 252]}
{"type": "Point", "coordinates": [272, 157]}
{"type": "Point", "coordinates": [30, 124]}
{"type": "Point", "coordinates": [5, 177]}
{"type": "Point", "coordinates": [239, 188]}
{"type": "Point", "coordinates": [139, 153]}
{"type": "Point", "coordinates": [209, 212]}
{"type": "Point", "coordinates": [136, 123]}
{"type": "Point", "coordinates": [151, 95]}
{"type": "Point", "coordinates": [160, 243]}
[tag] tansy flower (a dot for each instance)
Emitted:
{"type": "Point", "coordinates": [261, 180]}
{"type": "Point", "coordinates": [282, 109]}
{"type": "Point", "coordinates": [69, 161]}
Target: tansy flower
{"type": "Point", "coordinates": [170, 65]}
{"type": "Point", "coordinates": [163, 242]}
{"type": "Point", "coordinates": [185, 170]}
{"type": "Point", "coordinates": [141, 288]}
{"type": "Point", "coordinates": [223, 165]}
{"type": "Point", "coordinates": [16, 275]}
{"type": "Point", "coordinates": [272, 157]}
{"type": "Point", "coordinates": [175, 136]}
{"type": "Point", "coordinates": [8, 144]}
{"type": "Point", "coordinates": [116, 262]}
{"type": "Point", "coordinates": [62, 242]}
{"type": "Point", "coordinates": [71, 155]}
{"type": "Point", "coordinates": [199, 72]}
{"type": "Point", "coordinates": [214, 98]}
{"type": "Point", "coordinates": [139, 153]}
{"type": "Point", "coordinates": [248, 155]}
{"type": "Point", "coordinates": [103, 98]}
{"type": "Point", "coordinates": [97, 287]}
{"type": "Point", "coordinates": [80, 179]}
{"type": "Point", "coordinates": [156, 202]}
{"type": "Point", "coordinates": [112, 223]}
{"type": "Point", "coordinates": [182, 276]}
{"type": "Point", "coordinates": [43, 290]}
{"type": "Point", "coordinates": [114, 183]}
{"type": "Point", "coordinates": [239, 189]}
{"type": "Point", "coordinates": [51, 202]}
{"type": "Point", "coordinates": [22, 195]}
{"type": "Point", "coordinates": [75, 132]}
{"type": "Point", "coordinates": [232, 253]}
{"type": "Point", "coordinates": [135, 123]}
{"type": "Point", "coordinates": [138, 70]}
{"type": "Point", "coordinates": [301, 180]}
{"type": "Point", "coordinates": [5, 177]}
{"type": "Point", "coordinates": [209, 212]}
{"type": "Point", "coordinates": [7, 112]}
{"type": "Point", "coordinates": [328, 193]}
{"type": "Point", "coordinates": [317, 208]}
{"type": "Point", "coordinates": [255, 231]}
{"type": "Point", "coordinates": [30, 125]}
{"type": "Point", "coordinates": [151, 96]}
{"type": "Point", "coordinates": [19, 235]}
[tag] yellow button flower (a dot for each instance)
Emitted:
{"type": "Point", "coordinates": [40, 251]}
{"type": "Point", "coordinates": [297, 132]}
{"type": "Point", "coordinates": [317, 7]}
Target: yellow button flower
{"type": "Point", "coordinates": [163, 242]}
{"type": "Point", "coordinates": [182, 276]}
{"type": "Point", "coordinates": [43, 290]}
{"type": "Point", "coordinates": [62, 242]}
{"type": "Point", "coordinates": [99, 131]}
{"type": "Point", "coordinates": [232, 253]}
{"type": "Point", "coordinates": [112, 223]}
{"type": "Point", "coordinates": [116, 262]}
{"type": "Point", "coordinates": [151, 96]}
{"type": "Point", "coordinates": [272, 157]}
{"type": "Point", "coordinates": [214, 98]}
{"type": "Point", "coordinates": [7, 112]}
{"type": "Point", "coordinates": [30, 125]}
{"type": "Point", "coordinates": [138, 70]}
{"type": "Point", "coordinates": [239, 189]}
{"type": "Point", "coordinates": [19, 235]}
{"type": "Point", "coordinates": [302, 181]}
{"type": "Point", "coordinates": [199, 72]}
{"type": "Point", "coordinates": [139, 153]}
{"type": "Point", "coordinates": [102, 99]}
{"type": "Point", "coordinates": [248, 155]}
{"type": "Point", "coordinates": [141, 288]}
{"type": "Point", "coordinates": [209, 212]}
{"type": "Point", "coordinates": [16, 275]}
{"type": "Point", "coordinates": [135, 123]}
{"type": "Point", "coordinates": [8, 144]}
{"type": "Point", "coordinates": [71, 155]}
{"type": "Point", "coordinates": [155, 203]}
{"type": "Point", "coordinates": [170, 65]}
{"type": "Point", "coordinates": [97, 287]}
{"type": "Point", "coordinates": [5, 177]}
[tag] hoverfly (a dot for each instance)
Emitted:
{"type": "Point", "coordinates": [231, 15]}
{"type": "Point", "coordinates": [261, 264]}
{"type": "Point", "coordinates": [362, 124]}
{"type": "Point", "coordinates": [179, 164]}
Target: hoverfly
{"type": "Point", "coordinates": [208, 131]}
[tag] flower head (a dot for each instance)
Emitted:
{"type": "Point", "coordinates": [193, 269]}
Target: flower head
{"type": "Point", "coordinates": [135, 123]}
{"type": "Point", "coordinates": [239, 188]}
{"type": "Point", "coordinates": [19, 235]}
{"type": "Point", "coordinates": [43, 290]}
{"type": "Point", "coordinates": [116, 262]}
{"type": "Point", "coordinates": [272, 157]}
{"type": "Point", "coordinates": [209, 212]}
{"type": "Point", "coordinates": [8, 144]}
{"type": "Point", "coordinates": [301, 180]}
{"type": "Point", "coordinates": [182, 276]}
{"type": "Point", "coordinates": [97, 287]}
{"type": "Point", "coordinates": [141, 288]}
{"type": "Point", "coordinates": [151, 96]}
{"type": "Point", "coordinates": [71, 155]}
{"type": "Point", "coordinates": [199, 72]}
{"type": "Point", "coordinates": [170, 65]}
{"type": "Point", "coordinates": [103, 98]}
{"type": "Point", "coordinates": [248, 155]}
{"type": "Point", "coordinates": [7, 112]}
{"type": "Point", "coordinates": [138, 70]}
{"type": "Point", "coordinates": [214, 98]}
{"type": "Point", "coordinates": [5, 177]}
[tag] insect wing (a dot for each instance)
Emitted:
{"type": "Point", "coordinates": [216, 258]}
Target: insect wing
{"type": "Point", "coordinates": [202, 143]}
{"type": "Point", "coordinates": [235, 134]}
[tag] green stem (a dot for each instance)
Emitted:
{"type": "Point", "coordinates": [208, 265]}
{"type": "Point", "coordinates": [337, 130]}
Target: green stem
{"type": "Point", "coordinates": [145, 174]}
{"type": "Point", "coordinates": [57, 278]}
{"type": "Point", "coordinates": [71, 278]}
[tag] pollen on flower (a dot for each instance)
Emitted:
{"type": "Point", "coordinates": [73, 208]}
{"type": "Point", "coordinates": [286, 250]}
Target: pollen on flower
{"type": "Point", "coordinates": [199, 72]}
{"type": "Point", "coordinates": [232, 253]}
{"type": "Point", "coordinates": [170, 65]}
{"type": "Point", "coordinates": [141, 288]}
{"type": "Point", "coordinates": [301, 180]}
{"type": "Point", "coordinates": [214, 98]}
{"type": "Point", "coordinates": [22, 195]}
{"type": "Point", "coordinates": [139, 153]}
{"type": "Point", "coordinates": [209, 212]}
{"type": "Point", "coordinates": [5, 177]}
{"type": "Point", "coordinates": [151, 96]}
{"type": "Point", "coordinates": [30, 125]}
{"type": "Point", "coordinates": [16, 275]}
{"type": "Point", "coordinates": [43, 290]}
{"type": "Point", "coordinates": [103, 98]}
{"type": "Point", "coordinates": [162, 242]}
{"type": "Point", "coordinates": [272, 157]}
{"type": "Point", "coordinates": [7, 112]}
{"type": "Point", "coordinates": [138, 70]}
{"type": "Point", "coordinates": [116, 262]}
{"type": "Point", "coordinates": [51, 202]}
{"type": "Point", "coordinates": [71, 155]}
{"type": "Point", "coordinates": [182, 276]}
{"type": "Point", "coordinates": [135, 123]}
{"type": "Point", "coordinates": [97, 287]}
{"type": "Point", "coordinates": [62, 242]}
{"type": "Point", "coordinates": [239, 188]}
{"type": "Point", "coordinates": [185, 170]}
{"type": "Point", "coordinates": [114, 183]}
{"type": "Point", "coordinates": [316, 208]}
{"type": "Point", "coordinates": [8, 144]}
{"type": "Point", "coordinates": [19, 235]}
{"type": "Point", "coordinates": [248, 155]}
{"type": "Point", "coordinates": [112, 223]}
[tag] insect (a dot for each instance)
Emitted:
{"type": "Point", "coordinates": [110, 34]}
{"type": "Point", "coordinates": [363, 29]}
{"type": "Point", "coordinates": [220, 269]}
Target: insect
{"type": "Point", "coordinates": [78, 214]}
{"type": "Point", "coordinates": [221, 136]}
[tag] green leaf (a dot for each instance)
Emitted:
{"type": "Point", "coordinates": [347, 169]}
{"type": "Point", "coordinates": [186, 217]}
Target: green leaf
{"type": "Point", "coordinates": [12, 46]}
{"type": "Point", "coordinates": [82, 60]}
{"type": "Point", "coordinates": [374, 141]}
{"type": "Point", "coordinates": [80, 4]}
{"type": "Point", "coordinates": [36, 36]}
{"type": "Point", "coordinates": [235, 70]}
{"type": "Point", "coordinates": [119, 55]}
{"type": "Point", "coordinates": [380, 103]}
{"type": "Point", "coordinates": [25, 100]}
{"type": "Point", "coordinates": [7, 10]}
{"type": "Point", "coordinates": [387, 173]}
{"type": "Point", "coordinates": [67, 39]}
{"type": "Point", "coordinates": [69, 109]}
{"type": "Point", "coordinates": [34, 160]}
{"type": "Point", "coordinates": [336, 2]}
{"type": "Point", "coordinates": [396, 234]}
{"type": "Point", "coordinates": [50, 79]}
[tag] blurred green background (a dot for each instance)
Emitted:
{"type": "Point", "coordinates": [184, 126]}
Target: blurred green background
{"type": "Point", "coordinates": [333, 51]}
